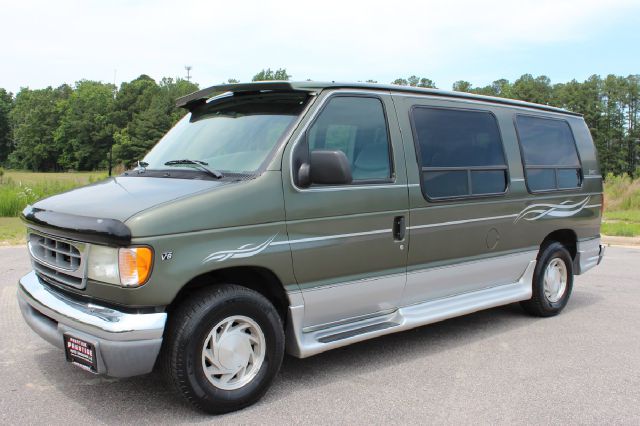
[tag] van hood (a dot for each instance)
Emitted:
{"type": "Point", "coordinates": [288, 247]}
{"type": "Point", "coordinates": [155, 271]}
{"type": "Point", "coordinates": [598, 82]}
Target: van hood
{"type": "Point", "coordinates": [103, 207]}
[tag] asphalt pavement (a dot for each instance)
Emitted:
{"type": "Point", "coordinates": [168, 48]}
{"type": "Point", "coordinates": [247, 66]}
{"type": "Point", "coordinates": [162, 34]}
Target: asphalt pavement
{"type": "Point", "coordinates": [498, 366]}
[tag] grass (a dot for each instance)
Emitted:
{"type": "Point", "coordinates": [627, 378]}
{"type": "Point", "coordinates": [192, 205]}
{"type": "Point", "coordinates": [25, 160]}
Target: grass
{"type": "Point", "coordinates": [68, 178]}
{"type": "Point", "coordinates": [622, 206]}
{"type": "Point", "coordinates": [20, 188]}
{"type": "Point", "coordinates": [622, 193]}
{"type": "Point", "coordinates": [621, 229]}
{"type": "Point", "coordinates": [623, 215]}
{"type": "Point", "coordinates": [12, 231]}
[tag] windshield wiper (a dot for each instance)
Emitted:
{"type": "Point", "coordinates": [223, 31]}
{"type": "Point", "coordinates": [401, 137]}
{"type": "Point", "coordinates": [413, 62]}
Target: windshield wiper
{"type": "Point", "coordinates": [199, 164]}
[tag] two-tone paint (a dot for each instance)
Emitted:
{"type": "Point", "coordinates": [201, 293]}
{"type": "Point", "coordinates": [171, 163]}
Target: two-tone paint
{"type": "Point", "coordinates": [333, 249]}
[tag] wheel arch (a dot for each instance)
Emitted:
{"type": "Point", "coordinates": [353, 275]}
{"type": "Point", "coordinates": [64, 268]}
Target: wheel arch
{"type": "Point", "coordinates": [566, 237]}
{"type": "Point", "coordinates": [257, 278]}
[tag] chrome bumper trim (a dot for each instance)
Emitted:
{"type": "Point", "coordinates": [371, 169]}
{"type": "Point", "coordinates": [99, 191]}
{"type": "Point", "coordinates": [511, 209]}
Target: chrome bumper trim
{"type": "Point", "coordinates": [92, 319]}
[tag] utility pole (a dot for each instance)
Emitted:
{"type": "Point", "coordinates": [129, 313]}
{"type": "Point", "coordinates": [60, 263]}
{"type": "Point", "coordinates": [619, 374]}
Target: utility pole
{"type": "Point", "coordinates": [115, 92]}
{"type": "Point", "coordinates": [110, 159]}
{"type": "Point", "coordinates": [188, 68]}
{"type": "Point", "coordinates": [635, 158]}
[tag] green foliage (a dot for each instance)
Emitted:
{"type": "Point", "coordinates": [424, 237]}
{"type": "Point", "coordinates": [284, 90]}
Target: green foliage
{"type": "Point", "coordinates": [268, 74]}
{"type": "Point", "coordinates": [415, 81]}
{"type": "Point", "coordinates": [20, 188]}
{"type": "Point", "coordinates": [76, 127]}
{"type": "Point", "coordinates": [462, 86]}
{"type": "Point", "coordinates": [623, 215]}
{"type": "Point", "coordinates": [622, 202]}
{"type": "Point", "coordinates": [12, 231]}
{"type": "Point", "coordinates": [150, 113]}
{"type": "Point", "coordinates": [621, 229]}
{"type": "Point", "coordinates": [530, 89]}
{"type": "Point", "coordinates": [622, 193]}
{"type": "Point", "coordinates": [35, 117]}
{"type": "Point", "coordinates": [6, 105]}
{"type": "Point", "coordinates": [15, 196]}
{"type": "Point", "coordinates": [85, 133]}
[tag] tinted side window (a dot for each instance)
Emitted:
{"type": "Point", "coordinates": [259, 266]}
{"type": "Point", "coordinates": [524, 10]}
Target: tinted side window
{"type": "Point", "coordinates": [549, 152]}
{"type": "Point", "coordinates": [460, 152]}
{"type": "Point", "coordinates": [356, 126]}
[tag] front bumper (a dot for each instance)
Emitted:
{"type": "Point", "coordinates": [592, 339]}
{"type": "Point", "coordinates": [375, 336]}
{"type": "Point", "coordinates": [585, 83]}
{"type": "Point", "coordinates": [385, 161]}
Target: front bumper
{"type": "Point", "coordinates": [126, 344]}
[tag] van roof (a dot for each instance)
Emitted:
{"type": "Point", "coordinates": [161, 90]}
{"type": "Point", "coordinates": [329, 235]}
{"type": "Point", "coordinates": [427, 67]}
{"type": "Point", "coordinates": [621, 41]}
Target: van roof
{"type": "Point", "coordinates": [192, 100]}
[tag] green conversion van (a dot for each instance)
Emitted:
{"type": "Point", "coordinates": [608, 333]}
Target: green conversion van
{"type": "Point", "coordinates": [302, 217]}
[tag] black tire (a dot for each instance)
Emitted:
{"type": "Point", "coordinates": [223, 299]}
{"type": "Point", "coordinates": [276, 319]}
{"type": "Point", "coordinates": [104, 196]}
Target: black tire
{"type": "Point", "coordinates": [187, 330]}
{"type": "Point", "coordinates": [539, 305]}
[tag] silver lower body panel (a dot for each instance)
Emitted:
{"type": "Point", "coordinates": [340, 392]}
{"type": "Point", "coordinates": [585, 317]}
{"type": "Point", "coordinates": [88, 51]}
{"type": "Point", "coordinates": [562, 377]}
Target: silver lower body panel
{"type": "Point", "coordinates": [589, 254]}
{"type": "Point", "coordinates": [304, 344]}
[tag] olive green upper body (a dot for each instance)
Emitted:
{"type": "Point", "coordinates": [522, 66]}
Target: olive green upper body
{"type": "Point", "coordinates": [323, 236]}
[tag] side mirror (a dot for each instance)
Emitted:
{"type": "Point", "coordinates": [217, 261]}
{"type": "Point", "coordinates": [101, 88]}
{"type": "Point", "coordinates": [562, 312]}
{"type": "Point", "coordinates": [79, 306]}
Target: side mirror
{"type": "Point", "coordinates": [304, 175]}
{"type": "Point", "coordinates": [326, 168]}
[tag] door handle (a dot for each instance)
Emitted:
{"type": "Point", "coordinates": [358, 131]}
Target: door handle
{"type": "Point", "coordinates": [399, 228]}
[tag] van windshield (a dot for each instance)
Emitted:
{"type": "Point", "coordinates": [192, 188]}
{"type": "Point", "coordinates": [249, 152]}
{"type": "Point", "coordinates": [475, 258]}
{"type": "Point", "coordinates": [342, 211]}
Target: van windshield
{"type": "Point", "coordinates": [234, 134]}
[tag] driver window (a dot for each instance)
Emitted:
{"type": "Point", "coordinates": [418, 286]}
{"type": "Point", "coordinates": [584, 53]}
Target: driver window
{"type": "Point", "coordinates": [357, 127]}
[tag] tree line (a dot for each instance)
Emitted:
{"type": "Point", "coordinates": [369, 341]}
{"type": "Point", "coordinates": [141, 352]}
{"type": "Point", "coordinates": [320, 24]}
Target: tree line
{"type": "Point", "coordinates": [90, 125]}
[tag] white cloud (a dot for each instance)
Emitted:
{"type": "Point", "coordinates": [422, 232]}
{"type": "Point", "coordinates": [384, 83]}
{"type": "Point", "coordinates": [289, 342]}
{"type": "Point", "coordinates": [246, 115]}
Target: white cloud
{"type": "Point", "coordinates": [63, 41]}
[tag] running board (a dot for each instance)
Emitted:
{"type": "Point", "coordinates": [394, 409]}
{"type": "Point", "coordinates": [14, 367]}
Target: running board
{"type": "Point", "coordinates": [302, 345]}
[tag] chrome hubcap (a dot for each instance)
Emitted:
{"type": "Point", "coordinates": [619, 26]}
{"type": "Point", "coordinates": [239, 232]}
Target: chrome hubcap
{"type": "Point", "coordinates": [555, 280]}
{"type": "Point", "coordinates": [233, 352]}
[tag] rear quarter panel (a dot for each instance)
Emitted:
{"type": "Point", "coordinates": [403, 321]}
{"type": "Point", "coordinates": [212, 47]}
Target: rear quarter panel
{"type": "Point", "coordinates": [450, 242]}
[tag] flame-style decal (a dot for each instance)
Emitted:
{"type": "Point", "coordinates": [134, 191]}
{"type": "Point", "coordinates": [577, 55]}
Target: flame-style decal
{"type": "Point", "coordinates": [246, 250]}
{"type": "Point", "coordinates": [564, 209]}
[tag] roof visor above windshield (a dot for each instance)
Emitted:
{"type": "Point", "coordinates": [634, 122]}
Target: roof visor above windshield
{"type": "Point", "coordinates": [234, 134]}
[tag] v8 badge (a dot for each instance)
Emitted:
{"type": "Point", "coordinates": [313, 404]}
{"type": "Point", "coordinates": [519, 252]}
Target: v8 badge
{"type": "Point", "coordinates": [167, 255]}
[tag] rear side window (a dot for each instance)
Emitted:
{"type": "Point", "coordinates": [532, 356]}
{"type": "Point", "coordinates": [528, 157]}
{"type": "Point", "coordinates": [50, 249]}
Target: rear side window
{"type": "Point", "coordinates": [460, 152]}
{"type": "Point", "coordinates": [356, 126]}
{"type": "Point", "coordinates": [549, 153]}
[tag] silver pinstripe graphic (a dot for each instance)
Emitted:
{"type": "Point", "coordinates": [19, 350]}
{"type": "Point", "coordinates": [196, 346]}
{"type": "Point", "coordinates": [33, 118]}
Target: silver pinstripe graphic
{"type": "Point", "coordinates": [459, 222]}
{"type": "Point", "coordinates": [332, 237]}
{"type": "Point", "coordinates": [246, 250]}
{"type": "Point", "coordinates": [564, 209]}
{"type": "Point", "coordinates": [534, 211]}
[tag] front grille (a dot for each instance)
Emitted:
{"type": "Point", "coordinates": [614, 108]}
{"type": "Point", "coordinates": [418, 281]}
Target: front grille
{"type": "Point", "coordinates": [55, 252]}
{"type": "Point", "coordinates": [57, 260]}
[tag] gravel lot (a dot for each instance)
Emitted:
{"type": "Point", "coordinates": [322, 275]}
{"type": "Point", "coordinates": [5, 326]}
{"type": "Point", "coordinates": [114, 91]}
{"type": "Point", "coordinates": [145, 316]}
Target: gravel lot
{"type": "Point", "coordinates": [496, 366]}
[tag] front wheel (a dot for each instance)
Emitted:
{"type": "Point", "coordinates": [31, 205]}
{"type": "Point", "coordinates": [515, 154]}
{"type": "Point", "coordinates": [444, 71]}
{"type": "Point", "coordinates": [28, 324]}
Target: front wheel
{"type": "Point", "coordinates": [552, 282]}
{"type": "Point", "coordinates": [224, 346]}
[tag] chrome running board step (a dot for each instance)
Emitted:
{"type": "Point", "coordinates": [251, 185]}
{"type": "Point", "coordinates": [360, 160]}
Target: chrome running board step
{"type": "Point", "coordinates": [303, 344]}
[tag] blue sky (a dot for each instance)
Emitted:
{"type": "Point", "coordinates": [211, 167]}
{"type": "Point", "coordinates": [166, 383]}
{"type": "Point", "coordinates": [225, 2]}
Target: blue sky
{"type": "Point", "coordinates": [613, 47]}
{"type": "Point", "coordinates": [50, 43]}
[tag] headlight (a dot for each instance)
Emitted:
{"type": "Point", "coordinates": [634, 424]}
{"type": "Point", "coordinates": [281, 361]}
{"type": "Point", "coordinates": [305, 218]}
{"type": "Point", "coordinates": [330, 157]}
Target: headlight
{"type": "Point", "coordinates": [128, 267]}
{"type": "Point", "coordinates": [103, 264]}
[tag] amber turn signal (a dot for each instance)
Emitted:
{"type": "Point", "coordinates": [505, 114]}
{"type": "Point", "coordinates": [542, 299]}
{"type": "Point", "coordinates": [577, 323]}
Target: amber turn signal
{"type": "Point", "coordinates": [135, 265]}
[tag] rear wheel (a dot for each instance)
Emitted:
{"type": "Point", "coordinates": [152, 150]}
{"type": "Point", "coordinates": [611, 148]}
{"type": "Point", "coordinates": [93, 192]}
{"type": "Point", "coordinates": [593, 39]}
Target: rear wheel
{"type": "Point", "coordinates": [552, 281]}
{"type": "Point", "coordinates": [223, 348]}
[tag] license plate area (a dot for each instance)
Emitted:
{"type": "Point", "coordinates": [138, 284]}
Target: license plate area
{"type": "Point", "coordinates": [81, 353]}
